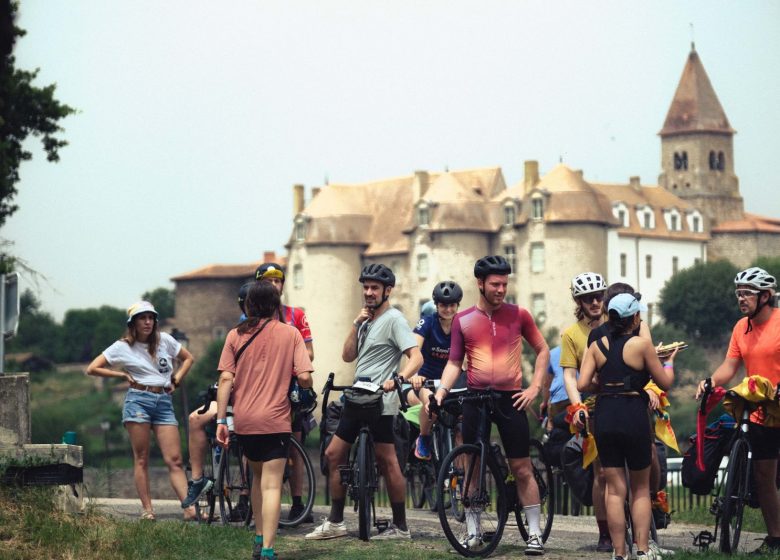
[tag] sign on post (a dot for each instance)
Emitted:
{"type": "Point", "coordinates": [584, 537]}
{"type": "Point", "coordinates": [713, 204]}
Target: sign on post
{"type": "Point", "coordinates": [11, 305]}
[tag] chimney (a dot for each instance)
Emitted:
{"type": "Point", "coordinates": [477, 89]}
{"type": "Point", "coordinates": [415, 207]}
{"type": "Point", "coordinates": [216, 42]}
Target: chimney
{"type": "Point", "coordinates": [297, 199]}
{"type": "Point", "coordinates": [314, 192]}
{"type": "Point", "coordinates": [579, 174]}
{"type": "Point", "coordinates": [531, 175]}
{"type": "Point", "coordinates": [634, 183]}
{"type": "Point", "coordinates": [269, 256]}
{"type": "Point", "coordinates": [421, 180]}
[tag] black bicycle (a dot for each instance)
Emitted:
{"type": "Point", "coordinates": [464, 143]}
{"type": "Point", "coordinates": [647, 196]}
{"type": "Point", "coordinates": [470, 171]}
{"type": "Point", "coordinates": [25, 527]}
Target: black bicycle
{"type": "Point", "coordinates": [360, 476]}
{"type": "Point", "coordinates": [304, 486]}
{"type": "Point", "coordinates": [478, 479]}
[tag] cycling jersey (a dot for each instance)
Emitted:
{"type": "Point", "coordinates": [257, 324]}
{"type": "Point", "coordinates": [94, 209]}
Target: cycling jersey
{"type": "Point", "coordinates": [760, 348]}
{"type": "Point", "coordinates": [296, 317]}
{"type": "Point", "coordinates": [494, 345]}
{"type": "Point", "coordinates": [436, 347]}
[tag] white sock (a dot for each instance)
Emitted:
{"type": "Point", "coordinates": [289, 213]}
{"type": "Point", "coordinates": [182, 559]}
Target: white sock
{"type": "Point", "coordinates": [532, 514]}
{"type": "Point", "coordinates": [472, 523]}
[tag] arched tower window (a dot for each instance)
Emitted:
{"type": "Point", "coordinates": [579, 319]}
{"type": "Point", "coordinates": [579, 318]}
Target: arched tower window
{"type": "Point", "coordinates": [713, 161]}
{"type": "Point", "coordinates": [681, 161]}
{"type": "Point", "coordinates": [721, 161]}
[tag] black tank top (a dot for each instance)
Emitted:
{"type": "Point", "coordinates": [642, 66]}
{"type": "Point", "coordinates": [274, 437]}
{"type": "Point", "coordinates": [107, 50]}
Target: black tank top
{"type": "Point", "coordinates": [615, 376]}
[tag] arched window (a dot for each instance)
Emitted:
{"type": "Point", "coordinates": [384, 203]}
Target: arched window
{"type": "Point", "coordinates": [721, 161]}
{"type": "Point", "coordinates": [510, 213]}
{"type": "Point", "coordinates": [713, 160]}
{"type": "Point", "coordinates": [681, 161]}
{"type": "Point", "coordinates": [620, 211]}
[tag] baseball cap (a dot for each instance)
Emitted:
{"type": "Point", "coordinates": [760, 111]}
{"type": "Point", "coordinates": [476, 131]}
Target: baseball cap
{"type": "Point", "coordinates": [626, 305]}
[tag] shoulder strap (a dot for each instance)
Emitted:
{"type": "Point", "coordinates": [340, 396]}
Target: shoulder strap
{"type": "Point", "coordinates": [603, 348]}
{"type": "Point", "coordinates": [248, 342]}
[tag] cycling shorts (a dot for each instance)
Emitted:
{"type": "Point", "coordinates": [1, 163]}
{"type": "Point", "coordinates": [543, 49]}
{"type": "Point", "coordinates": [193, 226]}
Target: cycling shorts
{"type": "Point", "coordinates": [381, 429]}
{"type": "Point", "coordinates": [264, 447]}
{"type": "Point", "coordinates": [621, 432]}
{"type": "Point", "coordinates": [512, 425]}
{"type": "Point", "coordinates": [764, 442]}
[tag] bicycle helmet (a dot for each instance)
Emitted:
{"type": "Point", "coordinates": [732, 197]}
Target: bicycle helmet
{"type": "Point", "coordinates": [759, 278]}
{"type": "Point", "coordinates": [447, 292]}
{"type": "Point", "coordinates": [242, 292]}
{"type": "Point", "coordinates": [491, 264]}
{"type": "Point", "coordinates": [379, 273]}
{"type": "Point", "coordinates": [587, 283]}
{"type": "Point", "coordinates": [269, 270]}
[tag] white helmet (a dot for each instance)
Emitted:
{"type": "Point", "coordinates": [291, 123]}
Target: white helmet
{"type": "Point", "coordinates": [759, 278]}
{"type": "Point", "coordinates": [587, 283]}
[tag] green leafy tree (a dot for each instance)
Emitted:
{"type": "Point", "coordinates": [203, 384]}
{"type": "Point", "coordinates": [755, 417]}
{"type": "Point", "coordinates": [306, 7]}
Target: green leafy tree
{"type": "Point", "coordinates": [164, 301]}
{"type": "Point", "coordinates": [25, 110]}
{"type": "Point", "coordinates": [86, 332]}
{"type": "Point", "coordinates": [203, 374]}
{"type": "Point", "coordinates": [690, 364]}
{"type": "Point", "coordinates": [38, 332]}
{"type": "Point", "coordinates": [700, 301]}
{"type": "Point", "coordinates": [770, 264]}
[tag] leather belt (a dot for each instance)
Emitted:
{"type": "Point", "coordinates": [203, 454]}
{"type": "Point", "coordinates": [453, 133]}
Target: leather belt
{"type": "Point", "coordinates": [150, 388]}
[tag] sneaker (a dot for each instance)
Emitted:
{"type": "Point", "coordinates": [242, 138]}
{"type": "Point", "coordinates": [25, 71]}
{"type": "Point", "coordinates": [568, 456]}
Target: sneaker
{"type": "Point", "coordinates": [649, 555]}
{"type": "Point", "coordinates": [617, 556]}
{"type": "Point", "coordinates": [392, 532]}
{"type": "Point", "coordinates": [534, 546]}
{"type": "Point", "coordinates": [769, 547]}
{"type": "Point", "coordinates": [657, 550]}
{"type": "Point", "coordinates": [295, 512]}
{"type": "Point", "coordinates": [470, 542]}
{"type": "Point", "coordinates": [422, 449]}
{"type": "Point", "coordinates": [473, 525]}
{"type": "Point", "coordinates": [194, 489]}
{"type": "Point", "coordinates": [604, 544]}
{"type": "Point", "coordinates": [328, 530]}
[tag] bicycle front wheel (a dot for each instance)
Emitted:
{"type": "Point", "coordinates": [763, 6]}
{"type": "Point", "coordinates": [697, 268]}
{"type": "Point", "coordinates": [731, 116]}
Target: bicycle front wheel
{"type": "Point", "coordinates": [481, 499]}
{"type": "Point", "coordinates": [543, 476]}
{"type": "Point", "coordinates": [366, 484]}
{"type": "Point", "coordinates": [298, 482]}
{"type": "Point", "coordinates": [735, 496]}
{"type": "Point", "coordinates": [232, 487]}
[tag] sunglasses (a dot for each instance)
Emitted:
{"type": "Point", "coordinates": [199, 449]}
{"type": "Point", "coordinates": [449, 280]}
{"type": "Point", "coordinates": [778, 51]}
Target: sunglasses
{"type": "Point", "coordinates": [588, 298]}
{"type": "Point", "coordinates": [745, 293]}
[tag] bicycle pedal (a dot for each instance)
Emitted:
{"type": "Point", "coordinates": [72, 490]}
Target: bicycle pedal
{"type": "Point", "coordinates": [345, 472]}
{"type": "Point", "coordinates": [381, 525]}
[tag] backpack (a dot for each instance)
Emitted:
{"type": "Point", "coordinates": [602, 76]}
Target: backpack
{"type": "Point", "coordinates": [555, 440]}
{"type": "Point", "coordinates": [579, 480]}
{"type": "Point", "coordinates": [330, 422]}
{"type": "Point", "coordinates": [717, 437]}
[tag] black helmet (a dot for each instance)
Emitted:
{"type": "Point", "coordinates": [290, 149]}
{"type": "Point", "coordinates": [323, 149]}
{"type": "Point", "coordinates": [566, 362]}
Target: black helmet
{"type": "Point", "coordinates": [269, 270]}
{"type": "Point", "coordinates": [242, 292]}
{"type": "Point", "coordinates": [378, 272]}
{"type": "Point", "coordinates": [492, 264]}
{"type": "Point", "coordinates": [447, 292]}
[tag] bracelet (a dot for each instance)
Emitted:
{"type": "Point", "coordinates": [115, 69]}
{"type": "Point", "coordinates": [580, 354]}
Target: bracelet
{"type": "Point", "coordinates": [445, 389]}
{"type": "Point", "coordinates": [668, 365]}
{"type": "Point", "coordinates": [222, 421]}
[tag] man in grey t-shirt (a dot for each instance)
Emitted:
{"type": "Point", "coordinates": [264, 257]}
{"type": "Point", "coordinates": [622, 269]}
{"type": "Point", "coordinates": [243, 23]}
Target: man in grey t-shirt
{"type": "Point", "coordinates": [378, 338]}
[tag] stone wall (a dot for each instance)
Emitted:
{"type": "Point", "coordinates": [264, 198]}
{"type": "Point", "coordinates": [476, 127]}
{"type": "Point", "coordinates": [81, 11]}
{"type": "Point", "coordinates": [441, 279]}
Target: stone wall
{"type": "Point", "coordinates": [743, 249]}
{"type": "Point", "coordinates": [15, 427]}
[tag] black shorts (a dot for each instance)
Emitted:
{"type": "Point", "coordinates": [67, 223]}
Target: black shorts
{"type": "Point", "coordinates": [349, 427]}
{"type": "Point", "coordinates": [264, 447]}
{"type": "Point", "coordinates": [512, 425]}
{"type": "Point", "coordinates": [764, 442]}
{"type": "Point", "coordinates": [621, 432]}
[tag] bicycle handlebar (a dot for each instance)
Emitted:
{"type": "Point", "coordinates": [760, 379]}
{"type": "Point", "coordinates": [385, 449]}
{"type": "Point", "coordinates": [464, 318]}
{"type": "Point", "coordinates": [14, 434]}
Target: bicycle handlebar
{"type": "Point", "coordinates": [330, 386]}
{"type": "Point", "coordinates": [705, 395]}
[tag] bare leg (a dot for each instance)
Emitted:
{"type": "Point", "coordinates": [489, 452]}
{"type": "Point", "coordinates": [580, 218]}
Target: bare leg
{"type": "Point", "coordinates": [336, 454]}
{"type": "Point", "coordinates": [198, 442]}
{"type": "Point", "coordinates": [768, 499]}
{"type": "Point", "coordinates": [599, 487]}
{"type": "Point", "coordinates": [140, 436]}
{"type": "Point", "coordinates": [170, 446]}
{"type": "Point", "coordinates": [270, 483]}
{"type": "Point", "coordinates": [640, 506]}
{"type": "Point", "coordinates": [615, 503]}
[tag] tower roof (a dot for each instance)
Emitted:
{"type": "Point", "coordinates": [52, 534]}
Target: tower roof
{"type": "Point", "coordinates": [695, 107]}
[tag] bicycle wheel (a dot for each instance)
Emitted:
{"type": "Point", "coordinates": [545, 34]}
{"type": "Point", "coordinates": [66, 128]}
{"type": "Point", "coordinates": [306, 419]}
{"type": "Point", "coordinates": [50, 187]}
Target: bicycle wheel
{"type": "Point", "coordinates": [735, 496]}
{"type": "Point", "coordinates": [544, 480]}
{"type": "Point", "coordinates": [482, 501]}
{"type": "Point", "coordinates": [232, 487]}
{"type": "Point", "coordinates": [364, 478]}
{"type": "Point", "coordinates": [205, 506]}
{"type": "Point", "coordinates": [294, 516]}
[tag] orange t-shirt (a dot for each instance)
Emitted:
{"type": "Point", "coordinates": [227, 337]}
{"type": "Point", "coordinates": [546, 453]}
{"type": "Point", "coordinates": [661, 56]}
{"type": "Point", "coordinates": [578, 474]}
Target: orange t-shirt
{"type": "Point", "coordinates": [262, 377]}
{"type": "Point", "coordinates": [759, 349]}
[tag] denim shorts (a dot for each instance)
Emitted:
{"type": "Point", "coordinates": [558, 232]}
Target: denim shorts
{"type": "Point", "coordinates": [144, 407]}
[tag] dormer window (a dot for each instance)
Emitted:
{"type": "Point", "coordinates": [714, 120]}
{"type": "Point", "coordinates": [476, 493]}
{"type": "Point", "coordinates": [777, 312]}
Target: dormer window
{"type": "Point", "coordinates": [695, 222]}
{"type": "Point", "coordinates": [300, 228]}
{"type": "Point", "coordinates": [680, 161]}
{"type": "Point", "coordinates": [646, 217]}
{"type": "Point", "coordinates": [537, 208]}
{"type": "Point", "coordinates": [620, 212]}
{"type": "Point", "coordinates": [673, 221]}
{"type": "Point", "coordinates": [423, 215]}
{"type": "Point", "coordinates": [510, 214]}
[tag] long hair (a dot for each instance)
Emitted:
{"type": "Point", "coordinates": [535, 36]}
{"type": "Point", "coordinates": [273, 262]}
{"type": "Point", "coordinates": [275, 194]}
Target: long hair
{"type": "Point", "coordinates": [131, 336]}
{"type": "Point", "coordinates": [262, 302]}
{"type": "Point", "coordinates": [618, 325]}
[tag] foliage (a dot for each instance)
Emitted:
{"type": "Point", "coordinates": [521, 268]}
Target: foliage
{"type": "Point", "coordinates": [770, 264]}
{"type": "Point", "coordinates": [86, 332]}
{"type": "Point", "coordinates": [38, 332]}
{"type": "Point", "coordinates": [691, 363]}
{"type": "Point", "coordinates": [204, 373]}
{"type": "Point", "coordinates": [164, 301]}
{"type": "Point", "coordinates": [700, 301]}
{"type": "Point", "coordinates": [553, 338]}
{"type": "Point", "coordinates": [25, 110]}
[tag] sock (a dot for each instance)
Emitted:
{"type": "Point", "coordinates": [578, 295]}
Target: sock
{"type": "Point", "coordinates": [297, 501]}
{"type": "Point", "coordinates": [472, 523]}
{"type": "Point", "coordinates": [267, 553]}
{"type": "Point", "coordinates": [336, 510]}
{"type": "Point", "coordinates": [532, 514]}
{"type": "Point", "coordinates": [399, 515]}
{"type": "Point", "coordinates": [197, 480]}
{"type": "Point", "coordinates": [603, 528]}
{"type": "Point", "coordinates": [259, 539]}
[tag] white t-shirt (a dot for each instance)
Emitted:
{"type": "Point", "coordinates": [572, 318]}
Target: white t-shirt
{"type": "Point", "coordinates": [136, 360]}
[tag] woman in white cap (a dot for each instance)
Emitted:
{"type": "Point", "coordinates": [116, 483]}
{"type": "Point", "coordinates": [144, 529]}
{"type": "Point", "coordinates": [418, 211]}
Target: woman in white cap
{"type": "Point", "coordinates": [145, 358]}
{"type": "Point", "coordinates": [617, 367]}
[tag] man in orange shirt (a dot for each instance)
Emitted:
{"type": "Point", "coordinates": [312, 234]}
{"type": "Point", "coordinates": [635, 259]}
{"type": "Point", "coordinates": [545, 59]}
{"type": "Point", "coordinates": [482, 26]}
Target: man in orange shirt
{"type": "Point", "coordinates": [755, 342]}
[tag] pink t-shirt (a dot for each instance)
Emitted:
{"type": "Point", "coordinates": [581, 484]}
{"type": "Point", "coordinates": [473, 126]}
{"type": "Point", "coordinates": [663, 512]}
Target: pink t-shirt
{"type": "Point", "coordinates": [262, 376]}
{"type": "Point", "coordinates": [494, 345]}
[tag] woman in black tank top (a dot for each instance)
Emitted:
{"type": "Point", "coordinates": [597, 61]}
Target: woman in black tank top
{"type": "Point", "coordinates": [616, 368]}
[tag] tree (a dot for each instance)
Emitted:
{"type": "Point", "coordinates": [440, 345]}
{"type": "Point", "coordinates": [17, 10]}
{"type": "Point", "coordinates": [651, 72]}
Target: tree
{"type": "Point", "coordinates": [24, 110]}
{"type": "Point", "coordinates": [38, 332]}
{"type": "Point", "coordinates": [700, 301]}
{"type": "Point", "coordinates": [690, 364]}
{"type": "Point", "coordinates": [86, 332]}
{"type": "Point", "coordinates": [770, 264]}
{"type": "Point", "coordinates": [164, 301]}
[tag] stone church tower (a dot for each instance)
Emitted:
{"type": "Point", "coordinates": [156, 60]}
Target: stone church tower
{"type": "Point", "coordinates": [697, 148]}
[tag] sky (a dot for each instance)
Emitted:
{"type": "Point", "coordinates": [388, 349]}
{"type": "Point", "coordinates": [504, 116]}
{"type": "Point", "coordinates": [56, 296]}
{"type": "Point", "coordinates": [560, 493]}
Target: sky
{"type": "Point", "coordinates": [195, 118]}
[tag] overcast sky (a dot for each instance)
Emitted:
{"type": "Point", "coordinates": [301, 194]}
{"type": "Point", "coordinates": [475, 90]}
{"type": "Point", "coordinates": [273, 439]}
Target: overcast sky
{"type": "Point", "coordinates": [196, 118]}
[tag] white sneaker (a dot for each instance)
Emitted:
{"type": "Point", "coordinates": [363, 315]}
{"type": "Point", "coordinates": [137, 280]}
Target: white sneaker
{"type": "Point", "coordinates": [328, 530]}
{"type": "Point", "coordinates": [470, 542]}
{"type": "Point", "coordinates": [392, 532]}
{"type": "Point", "coordinates": [658, 551]}
{"type": "Point", "coordinates": [534, 546]}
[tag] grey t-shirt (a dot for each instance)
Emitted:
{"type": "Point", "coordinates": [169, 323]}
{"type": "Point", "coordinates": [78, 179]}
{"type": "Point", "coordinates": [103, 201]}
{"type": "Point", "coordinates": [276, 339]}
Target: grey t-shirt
{"type": "Point", "coordinates": [381, 343]}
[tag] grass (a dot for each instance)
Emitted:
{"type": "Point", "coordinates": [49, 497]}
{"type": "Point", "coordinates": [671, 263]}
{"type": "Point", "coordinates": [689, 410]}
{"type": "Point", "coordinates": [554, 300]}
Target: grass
{"type": "Point", "coordinates": [751, 521]}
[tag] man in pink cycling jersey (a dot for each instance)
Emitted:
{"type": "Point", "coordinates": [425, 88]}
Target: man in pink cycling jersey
{"type": "Point", "coordinates": [490, 335]}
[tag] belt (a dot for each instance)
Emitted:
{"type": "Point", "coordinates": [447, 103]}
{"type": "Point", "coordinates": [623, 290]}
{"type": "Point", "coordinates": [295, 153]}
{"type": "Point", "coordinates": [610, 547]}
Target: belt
{"type": "Point", "coordinates": [150, 388]}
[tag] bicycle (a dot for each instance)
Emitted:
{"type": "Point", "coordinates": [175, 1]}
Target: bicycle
{"type": "Point", "coordinates": [360, 475]}
{"type": "Point", "coordinates": [308, 485]}
{"type": "Point", "coordinates": [478, 479]}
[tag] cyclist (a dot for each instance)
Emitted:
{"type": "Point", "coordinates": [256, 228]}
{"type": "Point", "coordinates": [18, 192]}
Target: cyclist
{"type": "Point", "coordinates": [587, 290]}
{"type": "Point", "coordinates": [625, 363]}
{"type": "Point", "coordinates": [490, 334]}
{"type": "Point", "coordinates": [274, 273]}
{"type": "Point", "coordinates": [754, 343]}
{"type": "Point", "coordinates": [433, 339]}
{"type": "Point", "coordinates": [379, 336]}
{"type": "Point", "coordinates": [257, 361]}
